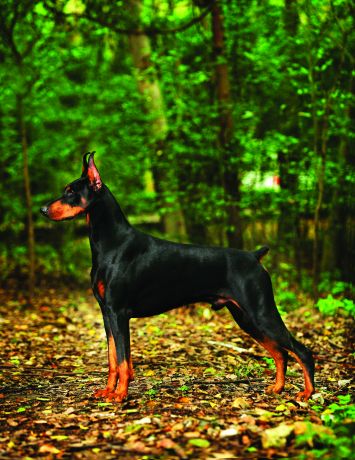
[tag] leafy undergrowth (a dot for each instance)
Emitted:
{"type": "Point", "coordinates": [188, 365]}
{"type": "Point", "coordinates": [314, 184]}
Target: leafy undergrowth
{"type": "Point", "coordinates": [198, 390]}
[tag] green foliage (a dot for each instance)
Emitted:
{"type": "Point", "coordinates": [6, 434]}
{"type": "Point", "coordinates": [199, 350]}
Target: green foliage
{"type": "Point", "coordinates": [290, 80]}
{"type": "Point", "coordinates": [184, 388]}
{"type": "Point", "coordinates": [285, 296]}
{"type": "Point", "coordinates": [151, 392]}
{"type": "Point", "coordinates": [338, 441]}
{"type": "Point", "coordinates": [333, 286]}
{"type": "Point", "coordinates": [336, 413]}
{"type": "Point", "coordinates": [331, 306]}
{"type": "Point", "coordinates": [270, 363]}
{"type": "Point", "coordinates": [199, 442]}
{"type": "Point", "coordinates": [250, 369]}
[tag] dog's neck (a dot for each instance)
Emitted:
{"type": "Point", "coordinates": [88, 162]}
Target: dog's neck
{"type": "Point", "coordinates": [107, 223]}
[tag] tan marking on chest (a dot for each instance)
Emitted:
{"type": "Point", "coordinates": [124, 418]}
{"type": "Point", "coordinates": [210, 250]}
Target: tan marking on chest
{"type": "Point", "coordinates": [101, 289]}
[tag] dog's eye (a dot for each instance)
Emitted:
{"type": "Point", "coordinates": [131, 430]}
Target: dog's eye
{"type": "Point", "coordinates": [69, 192]}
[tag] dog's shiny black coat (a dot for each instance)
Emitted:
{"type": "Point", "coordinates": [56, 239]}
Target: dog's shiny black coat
{"type": "Point", "coordinates": [137, 275]}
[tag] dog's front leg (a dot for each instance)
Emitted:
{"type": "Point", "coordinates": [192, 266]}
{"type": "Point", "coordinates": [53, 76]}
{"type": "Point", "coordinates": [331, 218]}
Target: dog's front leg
{"type": "Point", "coordinates": [112, 361]}
{"type": "Point", "coordinates": [119, 323]}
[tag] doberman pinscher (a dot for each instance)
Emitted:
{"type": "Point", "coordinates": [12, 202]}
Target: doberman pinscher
{"type": "Point", "coordinates": [136, 275]}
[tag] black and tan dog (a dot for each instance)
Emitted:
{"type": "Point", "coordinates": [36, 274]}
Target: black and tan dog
{"type": "Point", "coordinates": [135, 275]}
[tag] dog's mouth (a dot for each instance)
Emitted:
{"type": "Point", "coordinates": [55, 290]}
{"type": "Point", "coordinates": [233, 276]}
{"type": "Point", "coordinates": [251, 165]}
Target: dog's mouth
{"type": "Point", "coordinates": [59, 211]}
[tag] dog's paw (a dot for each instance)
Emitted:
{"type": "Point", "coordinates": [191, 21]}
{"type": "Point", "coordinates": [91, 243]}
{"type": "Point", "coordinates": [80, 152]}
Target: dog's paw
{"type": "Point", "coordinates": [117, 396]}
{"type": "Point", "coordinates": [304, 395]}
{"type": "Point", "coordinates": [106, 392]}
{"type": "Point", "coordinates": [274, 389]}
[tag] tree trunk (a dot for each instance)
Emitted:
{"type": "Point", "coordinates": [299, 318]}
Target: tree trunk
{"type": "Point", "coordinates": [230, 175]}
{"type": "Point", "coordinates": [289, 223]}
{"type": "Point", "coordinates": [335, 251]}
{"type": "Point", "coordinates": [317, 212]}
{"type": "Point", "coordinates": [148, 85]}
{"type": "Point", "coordinates": [291, 18]}
{"type": "Point", "coordinates": [320, 127]}
{"type": "Point", "coordinates": [337, 243]}
{"type": "Point", "coordinates": [28, 198]}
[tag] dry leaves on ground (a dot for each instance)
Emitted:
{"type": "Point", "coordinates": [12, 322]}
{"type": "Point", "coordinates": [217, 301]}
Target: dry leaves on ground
{"type": "Point", "coordinates": [198, 390]}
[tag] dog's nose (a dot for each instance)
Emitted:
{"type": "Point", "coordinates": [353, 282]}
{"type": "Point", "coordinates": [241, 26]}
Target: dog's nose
{"type": "Point", "coordinates": [44, 210]}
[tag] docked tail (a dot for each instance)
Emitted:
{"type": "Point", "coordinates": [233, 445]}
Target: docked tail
{"type": "Point", "coordinates": [260, 253]}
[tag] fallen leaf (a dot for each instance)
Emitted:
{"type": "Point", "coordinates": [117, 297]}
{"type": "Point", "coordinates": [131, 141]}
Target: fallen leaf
{"type": "Point", "coordinates": [48, 449]}
{"type": "Point", "coordinates": [143, 421]}
{"type": "Point", "coordinates": [137, 446]}
{"type": "Point", "coordinates": [343, 383]}
{"type": "Point", "coordinates": [240, 403]}
{"type": "Point", "coordinates": [232, 431]}
{"type": "Point", "coordinates": [276, 437]}
{"type": "Point", "coordinates": [184, 400]}
{"type": "Point", "coordinates": [246, 440]}
{"type": "Point", "coordinates": [198, 442]}
{"type": "Point", "coordinates": [282, 408]}
{"type": "Point", "coordinates": [304, 427]}
{"type": "Point", "coordinates": [169, 444]}
{"type": "Point", "coordinates": [12, 422]}
{"type": "Point", "coordinates": [191, 434]}
{"type": "Point", "coordinates": [59, 437]}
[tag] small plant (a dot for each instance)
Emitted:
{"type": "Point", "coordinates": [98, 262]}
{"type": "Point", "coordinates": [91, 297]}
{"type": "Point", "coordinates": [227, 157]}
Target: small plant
{"type": "Point", "coordinates": [251, 369]}
{"type": "Point", "coordinates": [331, 305]}
{"type": "Point", "coordinates": [337, 412]}
{"type": "Point", "coordinates": [334, 287]}
{"type": "Point", "coordinates": [184, 388]}
{"type": "Point", "coordinates": [286, 299]}
{"type": "Point", "coordinates": [151, 392]}
{"type": "Point", "coordinates": [270, 363]}
{"type": "Point", "coordinates": [335, 440]}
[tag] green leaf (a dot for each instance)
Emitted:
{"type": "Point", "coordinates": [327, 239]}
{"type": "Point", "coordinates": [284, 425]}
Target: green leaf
{"type": "Point", "coordinates": [198, 442]}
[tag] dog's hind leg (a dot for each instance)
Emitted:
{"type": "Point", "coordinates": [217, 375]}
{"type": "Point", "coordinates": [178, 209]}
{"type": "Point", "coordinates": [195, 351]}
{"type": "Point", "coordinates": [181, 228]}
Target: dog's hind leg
{"type": "Point", "coordinates": [274, 330]}
{"type": "Point", "coordinates": [265, 325]}
{"type": "Point", "coordinates": [285, 342]}
{"type": "Point", "coordinates": [279, 355]}
{"type": "Point", "coordinates": [304, 357]}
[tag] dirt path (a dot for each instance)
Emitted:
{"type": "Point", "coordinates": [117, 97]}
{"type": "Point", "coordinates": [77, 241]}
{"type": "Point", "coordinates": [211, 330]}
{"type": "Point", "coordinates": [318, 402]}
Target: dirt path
{"type": "Point", "coordinates": [198, 391]}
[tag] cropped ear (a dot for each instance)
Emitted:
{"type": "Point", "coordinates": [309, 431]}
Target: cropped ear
{"type": "Point", "coordinates": [93, 174]}
{"type": "Point", "coordinates": [85, 164]}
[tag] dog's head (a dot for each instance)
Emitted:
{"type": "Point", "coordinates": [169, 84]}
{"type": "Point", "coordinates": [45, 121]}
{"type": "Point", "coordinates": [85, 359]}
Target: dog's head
{"type": "Point", "coordinates": [79, 195]}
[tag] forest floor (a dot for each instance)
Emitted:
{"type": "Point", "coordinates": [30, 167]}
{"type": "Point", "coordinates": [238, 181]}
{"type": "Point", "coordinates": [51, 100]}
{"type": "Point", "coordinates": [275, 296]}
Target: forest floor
{"type": "Point", "coordinates": [198, 390]}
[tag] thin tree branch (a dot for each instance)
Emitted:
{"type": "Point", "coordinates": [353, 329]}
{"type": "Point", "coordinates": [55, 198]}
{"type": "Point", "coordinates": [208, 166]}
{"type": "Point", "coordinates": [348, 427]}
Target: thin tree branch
{"type": "Point", "coordinates": [6, 32]}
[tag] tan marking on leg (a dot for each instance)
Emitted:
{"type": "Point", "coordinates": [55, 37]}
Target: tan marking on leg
{"type": "Point", "coordinates": [124, 377]}
{"type": "Point", "coordinates": [112, 363]}
{"type": "Point", "coordinates": [113, 371]}
{"type": "Point", "coordinates": [280, 363]}
{"type": "Point", "coordinates": [309, 388]}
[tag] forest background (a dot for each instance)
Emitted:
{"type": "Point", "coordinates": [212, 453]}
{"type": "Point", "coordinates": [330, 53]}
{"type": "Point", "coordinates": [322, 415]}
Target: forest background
{"type": "Point", "coordinates": [216, 122]}
{"type": "Point", "coordinates": [225, 123]}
